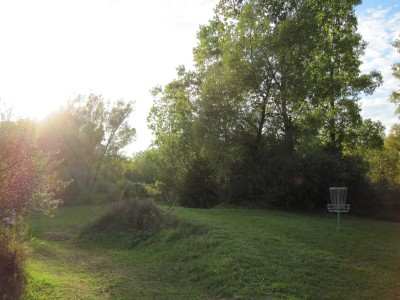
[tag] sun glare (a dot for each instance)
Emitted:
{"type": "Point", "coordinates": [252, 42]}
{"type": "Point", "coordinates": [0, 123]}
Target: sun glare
{"type": "Point", "coordinates": [34, 110]}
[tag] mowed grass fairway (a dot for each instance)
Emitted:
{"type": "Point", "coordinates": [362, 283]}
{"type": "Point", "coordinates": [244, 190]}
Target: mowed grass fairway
{"type": "Point", "coordinates": [237, 254]}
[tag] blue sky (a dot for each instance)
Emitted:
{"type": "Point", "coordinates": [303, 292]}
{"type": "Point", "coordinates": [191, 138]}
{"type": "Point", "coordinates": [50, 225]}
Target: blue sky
{"type": "Point", "coordinates": [367, 4]}
{"type": "Point", "coordinates": [52, 51]}
{"type": "Point", "coordinates": [379, 25]}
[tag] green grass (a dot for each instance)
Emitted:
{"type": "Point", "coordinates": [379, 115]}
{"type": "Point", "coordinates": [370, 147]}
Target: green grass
{"type": "Point", "coordinates": [239, 254]}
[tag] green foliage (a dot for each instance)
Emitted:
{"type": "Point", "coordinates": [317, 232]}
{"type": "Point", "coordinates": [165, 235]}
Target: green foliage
{"type": "Point", "coordinates": [153, 191]}
{"type": "Point", "coordinates": [369, 135]}
{"type": "Point", "coordinates": [172, 119]}
{"type": "Point", "coordinates": [259, 81]}
{"type": "Point", "coordinates": [110, 183]}
{"type": "Point", "coordinates": [164, 193]}
{"type": "Point", "coordinates": [141, 168]}
{"type": "Point", "coordinates": [87, 135]}
{"type": "Point", "coordinates": [395, 96]}
{"type": "Point", "coordinates": [384, 171]}
{"type": "Point", "coordinates": [198, 188]}
{"type": "Point", "coordinates": [301, 182]}
{"type": "Point", "coordinates": [44, 201]}
{"type": "Point", "coordinates": [135, 190]}
{"type": "Point", "coordinates": [127, 216]}
{"type": "Point", "coordinates": [335, 69]}
{"type": "Point", "coordinates": [320, 170]}
{"type": "Point", "coordinates": [139, 175]}
{"type": "Point", "coordinates": [272, 101]}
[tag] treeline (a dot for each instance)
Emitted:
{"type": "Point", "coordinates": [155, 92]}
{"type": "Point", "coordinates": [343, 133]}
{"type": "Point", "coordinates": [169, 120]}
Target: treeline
{"type": "Point", "coordinates": [74, 155]}
{"type": "Point", "coordinates": [269, 115]}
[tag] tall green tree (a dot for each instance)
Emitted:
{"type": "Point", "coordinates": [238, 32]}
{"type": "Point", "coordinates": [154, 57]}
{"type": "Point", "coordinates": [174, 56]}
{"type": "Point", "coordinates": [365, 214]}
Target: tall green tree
{"type": "Point", "coordinates": [244, 54]}
{"type": "Point", "coordinates": [251, 57]}
{"type": "Point", "coordinates": [171, 119]}
{"type": "Point", "coordinates": [271, 63]}
{"type": "Point", "coordinates": [88, 132]}
{"type": "Point", "coordinates": [335, 68]}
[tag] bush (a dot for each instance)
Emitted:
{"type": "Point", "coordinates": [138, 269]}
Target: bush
{"type": "Point", "coordinates": [198, 189]}
{"type": "Point", "coordinates": [12, 261]}
{"type": "Point", "coordinates": [133, 215]}
{"type": "Point", "coordinates": [138, 219]}
{"type": "Point", "coordinates": [135, 190]}
{"type": "Point", "coordinates": [301, 181]}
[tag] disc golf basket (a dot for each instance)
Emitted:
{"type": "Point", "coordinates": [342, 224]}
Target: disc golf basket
{"type": "Point", "coordinates": [338, 201]}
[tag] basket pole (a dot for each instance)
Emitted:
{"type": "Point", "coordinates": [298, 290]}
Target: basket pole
{"type": "Point", "coordinates": [338, 204]}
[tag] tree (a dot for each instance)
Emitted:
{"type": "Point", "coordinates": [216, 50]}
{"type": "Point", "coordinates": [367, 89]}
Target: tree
{"type": "Point", "coordinates": [28, 183]}
{"type": "Point", "coordinates": [283, 67]}
{"type": "Point", "coordinates": [88, 132]}
{"type": "Point", "coordinates": [395, 96]}
{"type": "Point", "coordinates": [335, 69]}
{"type": "Point", "coordinates": [16, 159]}
{"type": "Point", "coordinates": [172, 120]}
{"type": "Point", "coordinates": [368, 135]}
{"type": "Point", "coordinates": [252, 58]}
{"type": "Point", "coordinates": [247, 73]}
{"type": "Point", "coordinates": [27, 174]}
{"type": "Point", "coordinates": [277, 73]}
{"type": "Point", "coordinates": [140, 168]}
{"type": "Point", "coordinates": [384, 172]}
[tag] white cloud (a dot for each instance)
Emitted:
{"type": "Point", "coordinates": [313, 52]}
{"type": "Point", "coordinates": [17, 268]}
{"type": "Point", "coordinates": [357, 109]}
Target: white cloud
{"type": "Point", "coordinates": [380, 27]}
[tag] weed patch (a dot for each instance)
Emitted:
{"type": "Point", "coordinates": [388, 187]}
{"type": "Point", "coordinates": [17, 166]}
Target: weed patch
{"type": "Point", "coordinates": [133, 222]}
{"type": "Point", "coordinates": [12, 265]}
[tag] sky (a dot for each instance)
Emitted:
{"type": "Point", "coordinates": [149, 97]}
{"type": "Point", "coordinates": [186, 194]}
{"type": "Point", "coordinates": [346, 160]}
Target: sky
{"type": "Point", "coordinates": [54, 50]}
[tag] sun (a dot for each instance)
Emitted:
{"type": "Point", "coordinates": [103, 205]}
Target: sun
{"type": "Point", "coordinates": [23, 108]}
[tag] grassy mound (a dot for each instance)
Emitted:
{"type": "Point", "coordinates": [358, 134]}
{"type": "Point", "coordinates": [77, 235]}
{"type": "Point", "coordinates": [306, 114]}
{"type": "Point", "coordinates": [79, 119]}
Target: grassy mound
{"type": "Point", "coordinates": [133, 222]}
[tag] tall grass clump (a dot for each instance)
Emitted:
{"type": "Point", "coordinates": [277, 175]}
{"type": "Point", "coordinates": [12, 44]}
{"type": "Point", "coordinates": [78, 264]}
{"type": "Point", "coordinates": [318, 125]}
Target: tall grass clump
{"type": "Point", "coordinates": [136, 220]}
{"type": "Point", "coordinates": [12, 265]}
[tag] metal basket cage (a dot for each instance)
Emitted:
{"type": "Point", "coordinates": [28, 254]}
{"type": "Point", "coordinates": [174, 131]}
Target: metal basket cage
{"type": "Point", "coordinates": [338, 197]}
